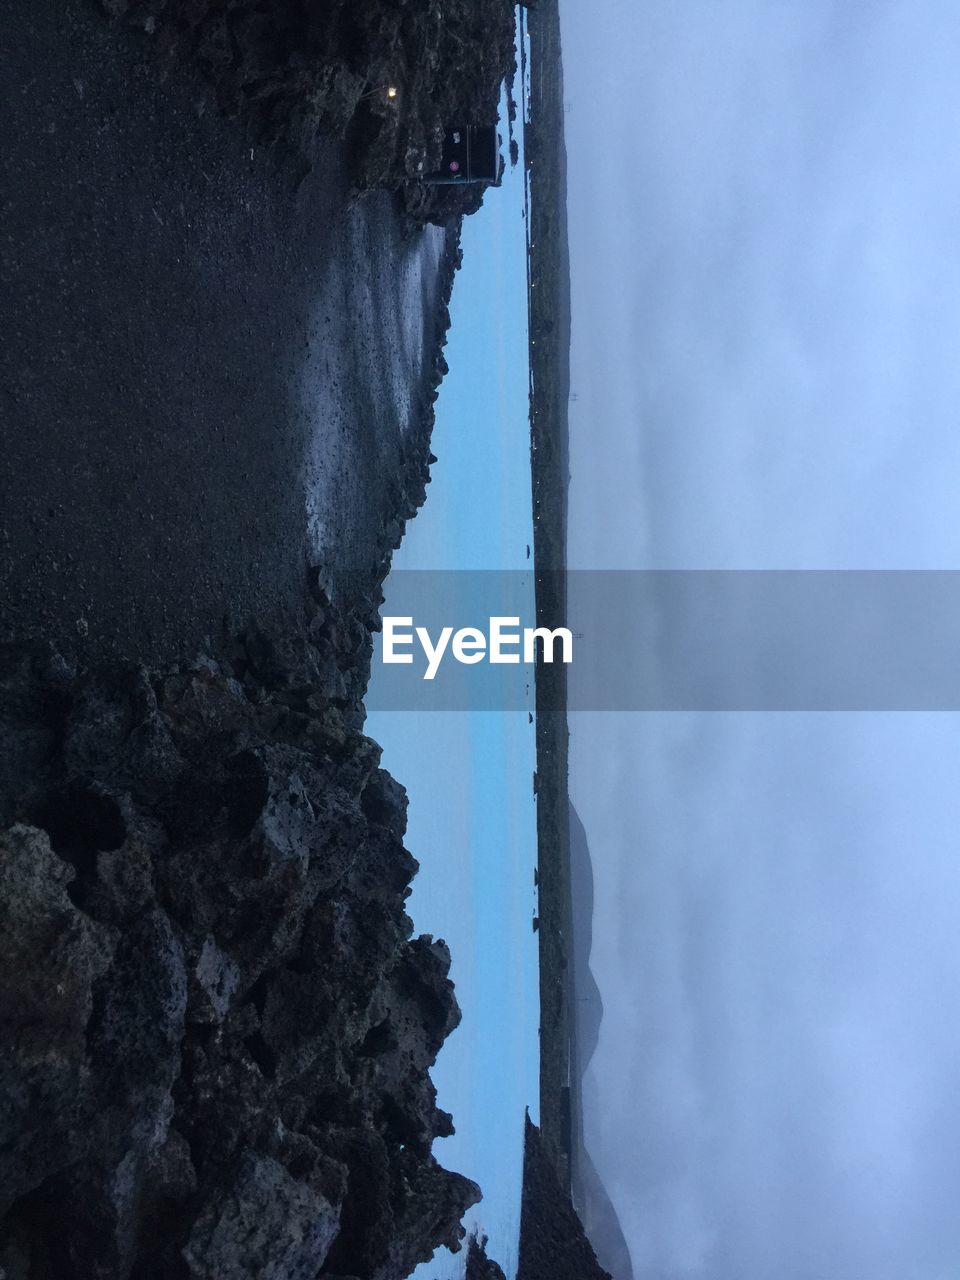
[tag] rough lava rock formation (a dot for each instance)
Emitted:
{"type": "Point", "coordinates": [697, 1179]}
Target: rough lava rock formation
{"type": "Point", "coordinates": [217, 1026]}
{"type": "Point", "coordinates": [297, 67]}
{"type": "Point", "coordinates": [479, 1265]}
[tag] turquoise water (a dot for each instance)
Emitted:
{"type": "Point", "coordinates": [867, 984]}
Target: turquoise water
{"type": "Point", "coordinates": [472, 815]}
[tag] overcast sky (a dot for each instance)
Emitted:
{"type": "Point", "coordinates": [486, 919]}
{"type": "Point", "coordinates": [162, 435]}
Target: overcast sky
{"type": "Point", "coordinates": [765, 223]}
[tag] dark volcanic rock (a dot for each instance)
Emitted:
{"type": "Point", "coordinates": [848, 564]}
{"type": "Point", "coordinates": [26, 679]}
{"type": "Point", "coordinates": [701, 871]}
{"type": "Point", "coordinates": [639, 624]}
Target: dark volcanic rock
{"type": "Point", "coordinates": [209, 378]}
{"type": "Point", "coordinates": [302, 66]}
{"type": "Point", "coordinates": [268, 1223]}
{"type": "Point", "coordinates": [479, 1266]}
{"type": "Point", "coordinates": [553, 1244]}
{"type": "Point", "coordinates": [217, 1027]}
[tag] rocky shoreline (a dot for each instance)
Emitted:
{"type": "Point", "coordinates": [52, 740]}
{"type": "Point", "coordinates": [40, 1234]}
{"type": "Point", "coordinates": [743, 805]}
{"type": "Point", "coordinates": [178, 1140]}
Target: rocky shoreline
{"type": "Point", "coordinates": [296, 69]}
{"type": "Point", "coordinates": [553, 1243]}
{"type": "Point", "coordinates": [218, 1025]}
{"type": "Point", "coordinates": [479, 1265]}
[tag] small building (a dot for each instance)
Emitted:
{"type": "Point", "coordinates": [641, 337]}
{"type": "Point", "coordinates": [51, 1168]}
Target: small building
{"type": "Point", "coordinates": [471, 153]}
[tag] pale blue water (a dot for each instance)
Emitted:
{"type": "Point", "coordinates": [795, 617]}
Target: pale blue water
{"type": "Point", "coordinates": [472, 816]}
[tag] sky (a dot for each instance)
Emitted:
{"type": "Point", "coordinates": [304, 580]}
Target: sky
{"type": "Point", "coordinates": [764, 227]}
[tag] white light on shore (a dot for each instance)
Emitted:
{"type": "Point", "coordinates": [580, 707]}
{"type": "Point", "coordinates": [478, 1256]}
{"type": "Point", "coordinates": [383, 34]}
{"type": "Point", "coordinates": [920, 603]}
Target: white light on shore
{"type": "Point", "coordinates": [391, 91]}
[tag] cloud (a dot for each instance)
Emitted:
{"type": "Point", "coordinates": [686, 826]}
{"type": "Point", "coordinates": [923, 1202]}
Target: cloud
{"type": "Point", "coordinates": [765, 284]}
{"type": "Point", "coordinates": [766, 297]}
{"type": "Point", "coordinates": [773, 1092]}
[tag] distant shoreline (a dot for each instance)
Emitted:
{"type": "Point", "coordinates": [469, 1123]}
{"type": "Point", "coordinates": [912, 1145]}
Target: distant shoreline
{"type": "Point", "coordinates": [549, 327]}
{"type": "Point", "coordinates": [552, 1240]}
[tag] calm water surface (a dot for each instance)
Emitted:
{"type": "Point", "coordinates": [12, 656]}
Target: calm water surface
{"type": "Point", "coordinates": [472, 815]}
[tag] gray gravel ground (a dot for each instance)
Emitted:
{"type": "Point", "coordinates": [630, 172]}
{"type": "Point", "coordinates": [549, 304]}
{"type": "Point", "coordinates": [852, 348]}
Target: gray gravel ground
{"type": "Point", "coordinates": [209, 361]}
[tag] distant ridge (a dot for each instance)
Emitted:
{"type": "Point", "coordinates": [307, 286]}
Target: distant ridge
{"type": "Point", "coordinates": [588, 1013]}
{"type": "Point", "coordinates": [590, 1196]}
